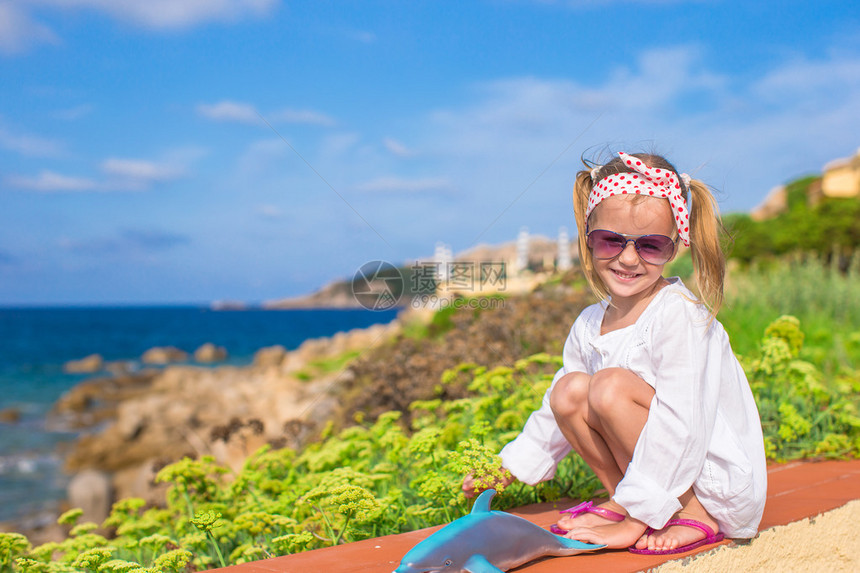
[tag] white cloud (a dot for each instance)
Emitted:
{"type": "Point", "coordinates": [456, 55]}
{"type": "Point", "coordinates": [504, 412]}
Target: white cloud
{"type": "Point", "coordinates": [29, 145]}
{"type": "Point", "coordinates": [660, 77]}
{"type": "Point", "coordinates": [301, 116]}
{"type": "Point", "coordinates": [119, 175]}
{"type": "Point", "coordinates": [19, 32]}
{"type": "Point", "coordinates": [229, 111]}
{"type": "Point", "coordinates": [270, 211]}
{"type": "Point", "coordinates": [519, 142]}
{"type": "Point", "coordinates": [73, 113]}
{"type": "Point", "coordinates": [647, 92]}
{"type": "Point", "coordinates": [340, 146]}
{"type": "Point", "coordinates": [140, 170]}
{"type": "Point", "coordinates": [363, 36]}
{"type": "Point", "coordinates": [172, 14]}
{"type": "Point", "coordinates": [810, 80]}
{"type": "Point", "coordinates": [512, 151]}
{"type": "Point", "coordinates": [126, 242]}
{"type": "Point", "coordinates": [247, 113]}
{"type": "Point", "coordinates": [401, 185]}
{"type": "Point", "coordinates": [127, 174]}
{"type": "Point", "coordinates": [49, 181]}
{"type": "Point", "coordinates": [261, 156]}
{"type": "Point", "coordinates": [397, 148]}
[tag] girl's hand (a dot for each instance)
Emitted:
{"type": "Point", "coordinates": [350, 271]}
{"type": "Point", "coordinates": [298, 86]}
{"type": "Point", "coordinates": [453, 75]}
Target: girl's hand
{"type": "Point", "coordinates": [470, 488]}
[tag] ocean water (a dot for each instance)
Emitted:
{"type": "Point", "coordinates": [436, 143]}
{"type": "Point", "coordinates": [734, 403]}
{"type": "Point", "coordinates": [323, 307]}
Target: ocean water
{"type": "Point", "coordinates": [36, 342]}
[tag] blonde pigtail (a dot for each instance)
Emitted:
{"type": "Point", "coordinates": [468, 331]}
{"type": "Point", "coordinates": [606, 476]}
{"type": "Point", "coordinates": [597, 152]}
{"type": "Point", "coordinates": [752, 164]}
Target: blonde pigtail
{"type": "Point", "coordinates": [709, 261]}
{"type": "Point", "coordinates": [581, 192]}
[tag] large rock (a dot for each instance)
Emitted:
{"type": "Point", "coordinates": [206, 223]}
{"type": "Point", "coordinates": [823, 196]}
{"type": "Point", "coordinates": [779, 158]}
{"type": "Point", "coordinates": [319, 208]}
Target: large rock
{"type": "Point", "coordinates": [94, 400]}
{"type": "Point", "coordinates": [270, 356]}
{"type": "Point", "coordinates": [139, 481]}
{"type": "Point", "coordinates": [119, 367]}
{"type": "Point", "coordinates": [775, 203]}
{"type": "Point", "coordinates": [210, 353]}
{"type": "Point", "coordinates": [164, 355]}
{"type": "Point", "coordinates": [91, 491]}
{"type": "Point", "coordinates": [85, 365]}
{"type": "Point", "coordinates": [10, 415]}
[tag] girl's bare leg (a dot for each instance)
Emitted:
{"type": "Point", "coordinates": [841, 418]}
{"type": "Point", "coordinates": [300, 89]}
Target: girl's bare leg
{"type": "Point", "coordinates": [601, 416]}
{"type": "Point", "coordinates": [569, 403]}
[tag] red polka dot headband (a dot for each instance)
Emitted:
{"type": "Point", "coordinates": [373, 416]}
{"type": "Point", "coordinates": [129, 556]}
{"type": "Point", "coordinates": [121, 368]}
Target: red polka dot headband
{"type": "Point", "coordinates": [650, 181]}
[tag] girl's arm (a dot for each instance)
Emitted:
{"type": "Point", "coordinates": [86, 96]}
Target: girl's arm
{"type": "Point", "coordinates": [532, 457]}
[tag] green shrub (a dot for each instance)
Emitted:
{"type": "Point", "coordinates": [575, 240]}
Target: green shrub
{"type": "Point", "coordinates": [831, 223]}
{"type": "Point", "coordinates": [802, 415]}
{"type": "Point", "coordinates": [382, 477]}
{"type": "Point", "coordinates": [825, 299]}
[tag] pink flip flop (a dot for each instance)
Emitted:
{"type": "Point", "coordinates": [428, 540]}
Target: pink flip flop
{"type": "Point", "coordinates": [710, 537]}
{"type": "Point", "coordinates": [587, 507]}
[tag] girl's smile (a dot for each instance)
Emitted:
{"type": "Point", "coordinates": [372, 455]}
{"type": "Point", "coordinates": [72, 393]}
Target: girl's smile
{"type": "Point", "coordinates": [629, 278]}
{"type": "Point", "coordinates": [625, 276]}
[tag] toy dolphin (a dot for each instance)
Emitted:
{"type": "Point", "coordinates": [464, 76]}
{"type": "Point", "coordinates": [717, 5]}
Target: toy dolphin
{"type": "Point", "coordinates": [486, 542]}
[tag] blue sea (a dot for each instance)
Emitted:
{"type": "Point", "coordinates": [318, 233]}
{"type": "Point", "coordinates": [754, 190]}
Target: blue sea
{"type": "Point", "coordinates": [36, 342]}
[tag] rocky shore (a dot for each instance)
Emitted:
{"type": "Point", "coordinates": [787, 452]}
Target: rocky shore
{"type": "Point", "coordinates": [134, 423]}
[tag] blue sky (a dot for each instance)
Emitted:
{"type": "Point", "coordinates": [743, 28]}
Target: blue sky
{"type": "Point", "coordinates": [175, 151]}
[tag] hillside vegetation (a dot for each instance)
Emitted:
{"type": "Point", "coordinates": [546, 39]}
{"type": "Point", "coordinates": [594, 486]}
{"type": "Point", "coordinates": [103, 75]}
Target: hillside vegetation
{"type": "Point", "coordinates": [831, 227]}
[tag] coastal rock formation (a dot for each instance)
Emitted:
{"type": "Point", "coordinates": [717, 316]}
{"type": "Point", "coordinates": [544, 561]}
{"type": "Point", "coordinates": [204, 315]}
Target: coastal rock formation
{"type": "Point", "coordinates": [95, 400]}
{"type": "Point", "coordinates": [270, 356]}
{"type": "Point", "coordinates": [334, 295]}
{"type": "Point", "coordinates": [10, 415]}
{"type": "Point", "coordinates": [210, 353]}
{"type": "Point", "coordinates": [91, 491]}
{"type": "Point", "coordinates": [86, 365]}
{"type": "Point", "coordinates": [163, 355]}
{"type": "Point", "coordinates": [227, 412]}
{"type": "Point", "coordinates": [119, 367]}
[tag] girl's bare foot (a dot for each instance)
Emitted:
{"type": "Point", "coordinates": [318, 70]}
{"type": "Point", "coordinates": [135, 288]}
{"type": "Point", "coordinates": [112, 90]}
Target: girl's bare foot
{"type": "Point", "coordinates": [618, 535]}
{"type": "Point", "coordinates": [680, 535]}
{"type": "Point", "coordinates": [587, 519]}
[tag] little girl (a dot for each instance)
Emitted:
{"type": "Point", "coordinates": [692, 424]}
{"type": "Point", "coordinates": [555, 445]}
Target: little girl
{"type": "Point", "coordinates": [650, 394]}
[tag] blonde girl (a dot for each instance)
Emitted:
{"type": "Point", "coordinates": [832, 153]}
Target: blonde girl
{"type": "Point", "coordinates": [651, 395]}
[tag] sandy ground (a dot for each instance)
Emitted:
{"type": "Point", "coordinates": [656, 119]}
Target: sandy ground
{"type": "Point", "coordinates": [829, 543]}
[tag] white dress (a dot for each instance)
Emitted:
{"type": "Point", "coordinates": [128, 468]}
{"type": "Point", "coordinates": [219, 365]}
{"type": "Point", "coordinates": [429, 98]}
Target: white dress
{"type": "Point", "coordinates": [703, 426]}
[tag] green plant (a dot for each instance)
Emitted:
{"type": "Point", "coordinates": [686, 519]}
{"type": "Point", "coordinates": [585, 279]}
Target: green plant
{"type": "Point", "coordinates": [12, 546]}
{"type": "Point", "coordinates": [825, 299]}
{"type": "Point", "coordinates": [383, 476]}
{"type": "Point", "coordinates": [802, 414]}
{"type": "Point", "coordinates": [324, 366]}
{"type": "Point", "coordinates": [364, 481]}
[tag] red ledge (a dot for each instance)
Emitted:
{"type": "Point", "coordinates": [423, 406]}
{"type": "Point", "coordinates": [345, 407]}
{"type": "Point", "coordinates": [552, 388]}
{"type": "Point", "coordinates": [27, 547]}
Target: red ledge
{"type": "Point", "coordinates": [796, 491]}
